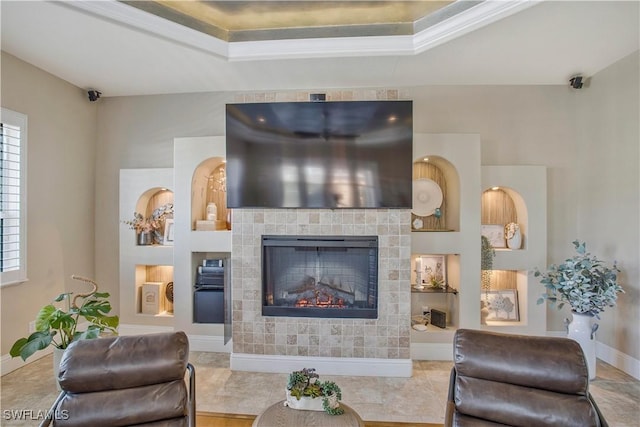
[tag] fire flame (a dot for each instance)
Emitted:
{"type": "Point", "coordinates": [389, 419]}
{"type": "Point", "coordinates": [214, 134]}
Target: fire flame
{"type": "Point", "coordinates": [321, 300]}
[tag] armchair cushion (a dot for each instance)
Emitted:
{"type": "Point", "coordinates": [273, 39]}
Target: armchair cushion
{"type": "Point", "coordinates": [518, 380]}
{"type": "Point", "coordinates": [124, 362]}
{"type": "Point", "coordinates": [126, 381]}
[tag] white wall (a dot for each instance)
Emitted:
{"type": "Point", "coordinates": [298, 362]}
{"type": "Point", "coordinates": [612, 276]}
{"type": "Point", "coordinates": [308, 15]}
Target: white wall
{"type": "Point", "coordinates": [60, 216]}
{"type": "Point", "coordinates": [608, 207]}
{"type": "Point", "coordinates": [534, 125]}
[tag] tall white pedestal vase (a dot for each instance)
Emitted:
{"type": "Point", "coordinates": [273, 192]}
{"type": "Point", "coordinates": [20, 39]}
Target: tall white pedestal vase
{"type": "Point", "coordinates": [582, 328]}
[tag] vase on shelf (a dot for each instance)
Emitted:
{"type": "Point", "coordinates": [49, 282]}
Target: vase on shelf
{"type": "Point", "coordinates": [145, 238]}
{"type": "Point", "coordinates": [514, 236]}
{"type": "Point", "coordinates": [212, 212]}
{"type": "Point", "coordinates": [582, 328]}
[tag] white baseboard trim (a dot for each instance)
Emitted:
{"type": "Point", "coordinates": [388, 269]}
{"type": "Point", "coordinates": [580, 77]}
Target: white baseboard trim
{"type": "Point", "coordinates": [610, 355]}
{"type": "Point", "coordinates": [323, 365]}
{"type": "Point", "coordinates": [334, 365]}
{"type": "Point", "coordinates": [619, 360]}
{"type": "Point", "coordinates": [196, 342]}
{"type": "Point", "coordinates": [128, 329]}
{"type": "Point", "coordinates": [10, 364]}
{"type": "Point", "coordinates": [432, 351]}
{"type": "Point", "coordinates": [212, 344]}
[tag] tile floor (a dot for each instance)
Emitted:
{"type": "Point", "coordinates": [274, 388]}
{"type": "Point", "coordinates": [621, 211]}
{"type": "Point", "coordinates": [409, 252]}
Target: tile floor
{"type": "Point", "coordinates": [420, 398]}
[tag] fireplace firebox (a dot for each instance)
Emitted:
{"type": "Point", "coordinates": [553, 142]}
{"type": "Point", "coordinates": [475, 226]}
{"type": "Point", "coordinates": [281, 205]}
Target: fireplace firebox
{"type": "Point", "coordinates": [320, 276]}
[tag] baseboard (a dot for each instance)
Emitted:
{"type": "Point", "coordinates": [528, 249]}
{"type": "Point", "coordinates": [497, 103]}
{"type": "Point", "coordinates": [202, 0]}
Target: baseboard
{"type": "Point", "coordinates": [323, 365]}
{"type": "Point", "coordinates": [10, 364]}
{"type": "Point", "coordinates": [196, 342]}
{"type": "Point", "coordinates": [128, 329]}
{"type": "Point", "coordinates": [337, 366]}
{"type": "Point", "coordinates": [432, 351]}
{"type": "Point", "coordinates": [619, 360]}
{"type": "Point", "coordinates": [210, 344]}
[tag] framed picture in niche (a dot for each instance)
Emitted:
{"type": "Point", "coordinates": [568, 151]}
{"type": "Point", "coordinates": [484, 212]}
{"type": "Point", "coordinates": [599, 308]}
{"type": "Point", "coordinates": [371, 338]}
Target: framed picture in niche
{"type": "Point", "coordinates": [495, 234]}
{"type": "Point", "coordinates": [502, 305]}
{"type": "Point", "coordinates": [433, 270]}
{"type": "Point", "coordinates": [168, 232]}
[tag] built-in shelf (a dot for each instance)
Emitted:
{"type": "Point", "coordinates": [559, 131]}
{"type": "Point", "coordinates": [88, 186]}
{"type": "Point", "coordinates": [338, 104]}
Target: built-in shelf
{"type": "Point", "coordinates": [431, 290]}
{"type": "Point", "coordinates": [143, 191]}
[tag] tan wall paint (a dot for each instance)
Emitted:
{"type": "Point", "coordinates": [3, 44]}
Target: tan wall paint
{"type": "Point", "coordinates": [60, 215]}
{"type": "Point", "coordinates": [529, 125]}
{"type": "Point", "coordinates": [607, 170]}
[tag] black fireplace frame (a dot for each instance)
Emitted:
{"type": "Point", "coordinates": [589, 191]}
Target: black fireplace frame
{"type": "Point", "coordinates": [327, 242]}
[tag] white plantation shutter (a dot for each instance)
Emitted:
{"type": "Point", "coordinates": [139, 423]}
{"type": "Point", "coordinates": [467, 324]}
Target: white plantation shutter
{"type": "Point", "coordinates": [13, 234]}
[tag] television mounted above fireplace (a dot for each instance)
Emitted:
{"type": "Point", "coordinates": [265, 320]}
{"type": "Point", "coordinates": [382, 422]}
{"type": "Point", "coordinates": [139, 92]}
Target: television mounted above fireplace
{"type": "Point", "coordinates": [343, 154]}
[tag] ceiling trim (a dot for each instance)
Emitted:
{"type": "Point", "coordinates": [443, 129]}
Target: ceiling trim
{"type": "Point", "coordinates": [478, 16]}
{"type": "Point", "coordinates": [485, 13]}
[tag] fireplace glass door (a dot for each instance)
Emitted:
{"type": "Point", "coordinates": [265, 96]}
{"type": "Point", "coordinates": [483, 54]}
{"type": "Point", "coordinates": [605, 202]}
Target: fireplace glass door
{"type": "Point", "coordinates": [313, 276]}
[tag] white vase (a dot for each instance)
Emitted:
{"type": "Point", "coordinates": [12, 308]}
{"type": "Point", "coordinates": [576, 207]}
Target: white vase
{"type": "Point", "coordinates": [305, 403]}
{"type": "Point", "coordinates": [57, 357]}
{"type": "Point", "coordinates": [582, 329]}
{"type": "Point", "coordinates": [515, 242]}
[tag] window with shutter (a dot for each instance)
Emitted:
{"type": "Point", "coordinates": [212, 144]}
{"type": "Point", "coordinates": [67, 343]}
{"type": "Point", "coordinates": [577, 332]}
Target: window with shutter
{"type": "Point", "coordinates": [13, 229]}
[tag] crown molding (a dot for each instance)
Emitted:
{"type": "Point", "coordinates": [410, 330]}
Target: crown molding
{"type": "Point", "coordinates": [473, 18]}
{"type": "Point", "coordinates": [469, 20]}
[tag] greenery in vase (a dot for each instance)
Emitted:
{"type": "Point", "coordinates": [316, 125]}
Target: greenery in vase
{"type": "Point", "coordinates": [306, 383]}
{"type": "Point", "coordinates": [58, 327]}
{"type": "Point", "coordinates": [487, 254]}
{"type": "Point", "coordinates": [583, 281]}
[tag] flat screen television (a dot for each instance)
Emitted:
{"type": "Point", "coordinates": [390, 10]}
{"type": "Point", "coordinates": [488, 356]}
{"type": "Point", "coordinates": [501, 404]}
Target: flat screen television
{"type": "Point", "coordinates": [347, 154]}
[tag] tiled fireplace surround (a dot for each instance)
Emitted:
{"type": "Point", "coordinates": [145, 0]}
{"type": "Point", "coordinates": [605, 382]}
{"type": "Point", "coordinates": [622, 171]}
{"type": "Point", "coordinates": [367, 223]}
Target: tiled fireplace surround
{"type": "Point", "coordinates": [344, 346]}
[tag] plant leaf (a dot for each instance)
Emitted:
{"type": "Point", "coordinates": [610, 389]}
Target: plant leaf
{"type": "Point", "coordinates": [25, 347]}
{"type": "Point", "coordinates": [43, 322]}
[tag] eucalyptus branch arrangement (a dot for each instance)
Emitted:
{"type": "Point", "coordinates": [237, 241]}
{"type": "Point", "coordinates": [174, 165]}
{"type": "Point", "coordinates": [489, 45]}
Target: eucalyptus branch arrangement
{"type": "Point", "coordinates": [586, 283]}
{"type": "Point", "coordinates": [153, 224]}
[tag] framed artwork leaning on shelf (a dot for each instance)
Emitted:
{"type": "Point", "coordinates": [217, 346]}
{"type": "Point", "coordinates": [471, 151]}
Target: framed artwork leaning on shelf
{"type": "Point", "coordinates": [168, 232]}
{"type": "Point", "coordinates": [433, 270]}
{"type": "Point", "coordinates": [495, 234]}
{"type": "Point", "coordinates": [503, 305]}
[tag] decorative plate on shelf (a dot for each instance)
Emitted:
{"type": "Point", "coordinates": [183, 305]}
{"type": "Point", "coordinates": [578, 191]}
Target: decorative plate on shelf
{"type": "Point", "coordinates": [168, 292]}
{"type": "Point", "coordinates": [427, 197]}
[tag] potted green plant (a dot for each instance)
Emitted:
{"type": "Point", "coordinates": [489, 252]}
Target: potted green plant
{"type": "Point", "coordinates": [588, 285]}
{"type": "Point", "coordinates": [59, 327]}
{"type": "Point", "coordinates": [487, 254]}
{"type": "Point", "coordinates": [305, 391]}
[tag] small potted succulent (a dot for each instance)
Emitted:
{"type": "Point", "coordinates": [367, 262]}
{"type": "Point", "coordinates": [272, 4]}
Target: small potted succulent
{"type": "Point", "coordinates": [305, 391]}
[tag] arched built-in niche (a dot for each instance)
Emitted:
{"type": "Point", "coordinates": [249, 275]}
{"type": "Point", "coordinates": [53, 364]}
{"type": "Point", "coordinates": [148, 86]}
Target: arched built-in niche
{"type": "Point", "coordinates": [443, 173]}
{"type": "Point", "coordinates": [501, 206]}
{"type": "Point", "coordinates": [208, 185]}
{"type": "Point", "coordinates": [156, 204]}
{"type": "Point", "coordinates": [153, 199]}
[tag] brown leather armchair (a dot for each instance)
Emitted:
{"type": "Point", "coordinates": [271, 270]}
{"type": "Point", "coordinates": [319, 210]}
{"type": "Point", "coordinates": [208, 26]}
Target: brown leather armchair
{"type": "Point", "coordinates": [517, 380]}
{"type": "Point", "coordinates": [126, 381]}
